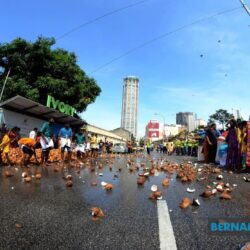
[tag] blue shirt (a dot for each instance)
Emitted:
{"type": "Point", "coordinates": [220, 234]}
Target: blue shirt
{"type": "Point", "coordinates": [47, 129]}
{"type": "Point", "coordinates": [80, 139]}
{"type": "Point", "coordinates": [65, 133]}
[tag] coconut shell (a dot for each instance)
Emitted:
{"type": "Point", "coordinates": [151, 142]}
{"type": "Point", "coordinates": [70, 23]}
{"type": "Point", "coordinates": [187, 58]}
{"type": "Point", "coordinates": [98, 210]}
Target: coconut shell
{"type": "Point", "coordinates": [185, 203]}
{"type": "Point", "coordinates": [109, 186]}
{"type": "Point", "coordinates": [165, 182]}
{"type": "Point", "coordinates": [38, 176]}
{"type": "Point", "coordinates": [206, 194]}
{"type": "Point", "coordinates": [7, 173]}
{"type": "Point", "coordinates": [24, 174]}
{"type": "Point", "coordinates": [68, 177]}
{"type": "Point", "coordinates": [97, 212]}
{"type": "Point", "coordinates": [69, 183]}
{"type": "Point", "coordinates": [157, 194]}
{"type": "Point", "coordinates": [27, 179]}
{"type": "Point", "coordinates": [140, 180]}
{"type": "Point", "coordinates": [18, 225]}
{"type": "Point", "coordinates": [225, 196]}
{"type": "Point", "coordinates": [184, 179]}
{"type": "Point", "coordinates": [152, 171]}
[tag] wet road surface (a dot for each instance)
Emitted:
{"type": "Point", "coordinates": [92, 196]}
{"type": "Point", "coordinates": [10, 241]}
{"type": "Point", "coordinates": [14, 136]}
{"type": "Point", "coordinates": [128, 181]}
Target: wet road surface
{"type": "Point", "coordinates": [56, 217]}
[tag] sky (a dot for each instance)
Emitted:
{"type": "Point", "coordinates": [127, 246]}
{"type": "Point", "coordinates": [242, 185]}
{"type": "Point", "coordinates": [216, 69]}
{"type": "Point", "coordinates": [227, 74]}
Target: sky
{"type": "Point", "coordinates": [201, 68]}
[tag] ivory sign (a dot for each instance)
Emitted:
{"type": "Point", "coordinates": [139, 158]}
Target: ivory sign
{"type": "Point", "coordinates": [61, 106]}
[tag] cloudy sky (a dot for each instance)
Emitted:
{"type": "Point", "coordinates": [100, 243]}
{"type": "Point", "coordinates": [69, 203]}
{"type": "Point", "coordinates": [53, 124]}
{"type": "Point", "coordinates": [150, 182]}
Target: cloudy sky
{"type": "Point", "coordinates": [200, 68]}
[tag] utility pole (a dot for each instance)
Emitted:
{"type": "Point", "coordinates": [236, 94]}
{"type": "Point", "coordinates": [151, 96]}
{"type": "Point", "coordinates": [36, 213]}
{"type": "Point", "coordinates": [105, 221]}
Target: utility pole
{"type": "Point", "coordinates": [6, 78]}
{"type": "Point", "coordinates": [245, 7]}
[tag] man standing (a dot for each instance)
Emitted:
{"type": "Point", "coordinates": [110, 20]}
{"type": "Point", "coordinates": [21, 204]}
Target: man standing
{"type": "Point", "coordinates": [80, 143]}
{"type": "Point", "coordinates": [93, 145]}
{"type": "Point", "coordinates": [46, 140]}
{"type": "Point", "coordinates": [5, 147]}
{"type": "Point", "coordinates": [65, 137]}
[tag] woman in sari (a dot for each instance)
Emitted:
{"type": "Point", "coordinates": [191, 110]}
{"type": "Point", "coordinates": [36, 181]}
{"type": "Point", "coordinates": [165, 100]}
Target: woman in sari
{"type": "Point", "coordinates": [233, 154]}
{"type": "Point", "coordinates": [242, 138]}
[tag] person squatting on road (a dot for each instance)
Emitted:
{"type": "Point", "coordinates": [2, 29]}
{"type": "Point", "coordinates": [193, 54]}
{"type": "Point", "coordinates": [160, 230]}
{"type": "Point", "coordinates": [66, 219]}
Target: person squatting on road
{"type": "Point", "coordinates": [65, 138]}
{"type": "Point", "coordinates": [28, 147]}
{"type": "Point", "coordinates": [46, 140]}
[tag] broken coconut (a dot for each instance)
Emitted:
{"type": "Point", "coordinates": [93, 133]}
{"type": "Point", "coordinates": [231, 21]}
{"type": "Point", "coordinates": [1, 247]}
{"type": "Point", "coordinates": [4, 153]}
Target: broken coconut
{"type": "Point", "coordinates": [156, 195]}
{"type": "Point", "coordinates": [219, 177]}
{"type": "Point", "coordinates": [24, 174]}
{"type": "Point", "coordinates": [196, 202]}
{"type": "Point", "coordinates": [103, 183]}
{"type": "Point", "coordinates": [246, 179]}
{"type": "Point", "coordinates": [154, 188]}
{"type": "Point", "coordinates": [219, 188]}
{"type": "Point", "coordinates": [225, 196]}
{"type": "Point", "coordinates": [190, 190]}
{"type": "Point", "coordinates": [69, 183]}
{"type": "Point", "coordinates": [97, 212]}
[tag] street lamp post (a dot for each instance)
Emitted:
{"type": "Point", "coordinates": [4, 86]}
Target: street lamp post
{"type": "Point", "coordinates": [163, 117]}
{"type": "Point", "coordinates": [5, 81]}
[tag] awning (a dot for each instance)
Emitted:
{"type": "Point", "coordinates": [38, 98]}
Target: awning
{"type": "Point", "coordinates": [28, 107]}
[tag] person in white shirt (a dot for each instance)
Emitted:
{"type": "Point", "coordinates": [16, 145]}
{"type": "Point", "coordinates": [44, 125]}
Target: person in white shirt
{"type": "Point", "coordinates": [33, 133]}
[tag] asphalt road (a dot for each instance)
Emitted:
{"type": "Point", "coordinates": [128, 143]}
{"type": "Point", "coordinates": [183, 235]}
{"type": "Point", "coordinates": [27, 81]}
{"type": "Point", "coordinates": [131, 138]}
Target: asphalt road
{"type": "Point", "coordinates": [56, 217]}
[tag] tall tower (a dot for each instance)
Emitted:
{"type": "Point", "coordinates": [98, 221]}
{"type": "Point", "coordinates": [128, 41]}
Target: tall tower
{"type": "Point", "coordinates": [130, 104]}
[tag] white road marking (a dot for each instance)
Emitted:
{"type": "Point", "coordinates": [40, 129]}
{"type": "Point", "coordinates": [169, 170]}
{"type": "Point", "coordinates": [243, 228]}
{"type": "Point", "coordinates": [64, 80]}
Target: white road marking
{"type": "Point", "coordinates": [166, 233]}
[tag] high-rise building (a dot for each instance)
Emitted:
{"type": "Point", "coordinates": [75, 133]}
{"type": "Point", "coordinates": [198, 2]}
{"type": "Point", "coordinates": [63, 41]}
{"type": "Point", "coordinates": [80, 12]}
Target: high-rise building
{"type": "Point", "coordinates": [186, 119]}
{"type": "Point", "coordinates": [236, 113]}
{"type": "Point", "coordinates": [130, 104]}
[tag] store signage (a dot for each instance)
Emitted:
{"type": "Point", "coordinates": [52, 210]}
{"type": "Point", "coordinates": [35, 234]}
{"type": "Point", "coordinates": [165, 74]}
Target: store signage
{"type": "Point", "coordinates": [61, 106]}
{"type": "Point", "coordinates": [153, 134]}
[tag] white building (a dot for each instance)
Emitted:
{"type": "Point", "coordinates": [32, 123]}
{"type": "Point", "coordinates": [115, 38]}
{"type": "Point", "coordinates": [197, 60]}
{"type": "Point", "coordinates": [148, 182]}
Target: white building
{"type": "Point", "coordinates": [173, 129]}
{"type": "Point", "coordinates": [130, 104]}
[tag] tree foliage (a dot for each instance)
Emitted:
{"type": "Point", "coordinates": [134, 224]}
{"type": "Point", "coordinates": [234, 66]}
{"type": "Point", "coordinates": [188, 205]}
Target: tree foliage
{"type": "Point", "coordinates": [221, 116]}
{"type": "Point", "coordinates": [37, 70]}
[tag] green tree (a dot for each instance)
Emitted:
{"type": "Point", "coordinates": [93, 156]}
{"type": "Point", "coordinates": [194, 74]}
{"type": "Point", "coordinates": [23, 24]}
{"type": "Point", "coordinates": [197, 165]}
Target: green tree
{"type": "Point", "coordinates": [221, 116]}
{"type": "Point", "coordinates": [37, 70]}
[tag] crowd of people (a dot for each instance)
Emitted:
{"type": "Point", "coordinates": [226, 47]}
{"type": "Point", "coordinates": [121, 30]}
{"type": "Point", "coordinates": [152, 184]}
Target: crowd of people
{"type": "Point", "coordinates": [228, 147]}
{"type": "Point", "coordinates": [188, 147]}
{"type": "Point", "coordinates": [81, 142]}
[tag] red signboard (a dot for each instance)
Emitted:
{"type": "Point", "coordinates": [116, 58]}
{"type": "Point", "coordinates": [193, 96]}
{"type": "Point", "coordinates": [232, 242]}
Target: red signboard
{"type": "Point", "coordinates": [153, 125]}
{"type": "Point", "coordinates": [153, 134]}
